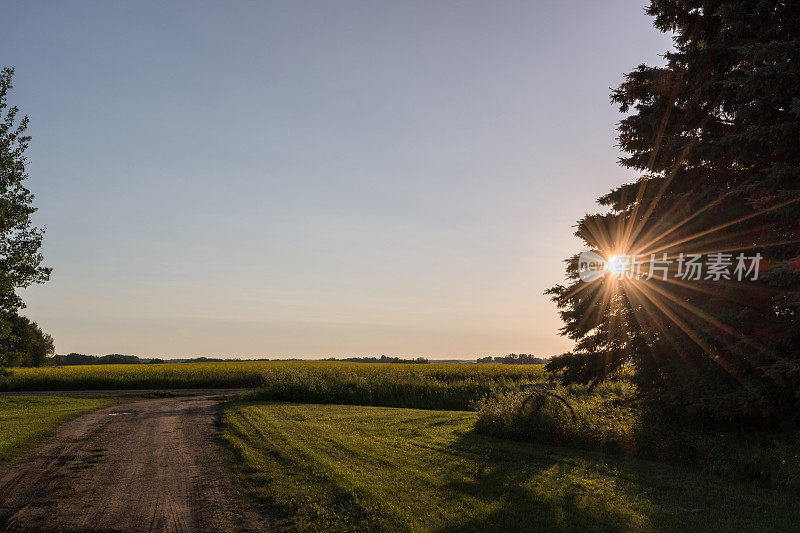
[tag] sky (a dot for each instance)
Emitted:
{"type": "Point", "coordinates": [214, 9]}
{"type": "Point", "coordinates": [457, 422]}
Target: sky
{"type": "Point", "coordinates": [316, 179]}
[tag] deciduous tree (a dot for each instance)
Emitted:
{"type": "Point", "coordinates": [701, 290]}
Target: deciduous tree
{"type": "Point", "coordinates": [20, 241]}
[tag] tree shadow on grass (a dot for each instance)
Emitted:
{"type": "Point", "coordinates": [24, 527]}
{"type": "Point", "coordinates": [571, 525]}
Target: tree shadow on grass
{"type": "Point", "coordinates": [527, 489]}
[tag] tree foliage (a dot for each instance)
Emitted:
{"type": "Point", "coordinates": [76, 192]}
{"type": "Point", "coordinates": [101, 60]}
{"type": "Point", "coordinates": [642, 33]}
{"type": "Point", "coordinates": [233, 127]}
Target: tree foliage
{"type": "Point", "coordinates": [715, 133]}
{"type": "Point", "coordinates": [26, 343]}
{"type": "Point", "coordinates": [20, 241]}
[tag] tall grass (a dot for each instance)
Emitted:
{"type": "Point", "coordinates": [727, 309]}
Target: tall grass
{"type": "Point", "coordinates": [602, 418]}
{"type": "Point", "coordinates": [431, 386]}
{"type": "Point", "coordinates": [611, 419]}
{"type": "Point", "coordinates": [396, 387]}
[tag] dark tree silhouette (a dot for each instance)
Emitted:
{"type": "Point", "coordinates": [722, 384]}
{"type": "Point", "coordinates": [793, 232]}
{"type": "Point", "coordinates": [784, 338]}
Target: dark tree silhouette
{"type": "Point", "coordinates": [716, 136]}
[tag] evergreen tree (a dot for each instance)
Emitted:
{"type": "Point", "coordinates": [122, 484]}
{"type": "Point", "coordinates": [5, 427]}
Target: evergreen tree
{"type": "Point", "coordinates": [716, 135]}
{"type": "Point", "coordinates": [20, 241]}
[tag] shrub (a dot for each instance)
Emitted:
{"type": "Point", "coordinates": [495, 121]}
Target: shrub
{"type": "Point", "coordinates": [612, 420]}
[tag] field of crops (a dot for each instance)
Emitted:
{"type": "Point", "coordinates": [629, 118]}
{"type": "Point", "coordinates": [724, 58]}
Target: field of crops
{"type": "Point", "coordinates": [431, 386]}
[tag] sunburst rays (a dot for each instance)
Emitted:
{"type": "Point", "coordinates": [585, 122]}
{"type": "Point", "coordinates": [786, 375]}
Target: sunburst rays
{"type": "Point", "coordinates": [663, 305]}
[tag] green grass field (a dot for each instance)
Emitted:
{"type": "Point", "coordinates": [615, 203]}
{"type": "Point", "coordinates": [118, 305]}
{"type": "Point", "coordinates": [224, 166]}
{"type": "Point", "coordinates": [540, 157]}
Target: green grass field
{"type": "Point", "coordinates": [26, 419]}
{"type": "Point", "coordinates": [331, 467]}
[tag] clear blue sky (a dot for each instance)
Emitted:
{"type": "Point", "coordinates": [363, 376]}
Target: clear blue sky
{"type": "Point", "coordinates": [316, 178]}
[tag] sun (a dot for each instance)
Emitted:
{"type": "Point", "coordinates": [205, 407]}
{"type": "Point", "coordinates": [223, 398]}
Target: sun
{"type": "Point", "coordinates": [616, 264]}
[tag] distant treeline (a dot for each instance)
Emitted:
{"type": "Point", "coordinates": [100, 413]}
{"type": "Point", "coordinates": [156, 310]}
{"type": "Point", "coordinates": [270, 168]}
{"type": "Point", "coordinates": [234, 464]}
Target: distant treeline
{"type": "Point", "coordinates": [514, 359]}
{"type": "Point", "coordinates": [381, 359]}
{"type": "Point", "coordinates": [81, 359]}
{"type": "Point", "coordinates": [119, 359]}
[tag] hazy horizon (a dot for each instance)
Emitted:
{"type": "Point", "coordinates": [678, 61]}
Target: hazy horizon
{"type": "Point", "coordinates": [315, 180]}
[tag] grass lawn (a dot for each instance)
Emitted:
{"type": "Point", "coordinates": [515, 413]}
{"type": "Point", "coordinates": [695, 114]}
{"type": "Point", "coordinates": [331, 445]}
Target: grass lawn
{"type": "Point", "coordinates": [334, 467]}
{"type": "Point", "coordinates": [25, 419]}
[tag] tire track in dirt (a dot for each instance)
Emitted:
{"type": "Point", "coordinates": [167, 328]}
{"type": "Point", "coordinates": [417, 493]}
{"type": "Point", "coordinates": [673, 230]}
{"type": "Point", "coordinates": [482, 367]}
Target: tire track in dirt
{"type": "Point", "coordinates": [149, 465]}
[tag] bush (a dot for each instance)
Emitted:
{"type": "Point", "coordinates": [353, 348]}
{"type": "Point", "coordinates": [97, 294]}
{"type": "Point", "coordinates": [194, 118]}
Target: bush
{"type": "Point", "coordinates": [610, 419]}
{"type": "Point", "coordinates": [599, 420]}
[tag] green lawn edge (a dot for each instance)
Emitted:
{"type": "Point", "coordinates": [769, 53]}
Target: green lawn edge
{"type": "Point", "coordinates": [26, 421]}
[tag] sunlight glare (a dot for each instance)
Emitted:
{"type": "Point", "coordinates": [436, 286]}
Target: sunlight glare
{"type": "Point", "coordinates": [616, 265]}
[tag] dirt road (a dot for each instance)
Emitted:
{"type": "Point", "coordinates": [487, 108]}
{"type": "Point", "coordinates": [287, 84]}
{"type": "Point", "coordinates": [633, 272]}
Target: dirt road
{"type": "Point", "coordinates": [149, 465]}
